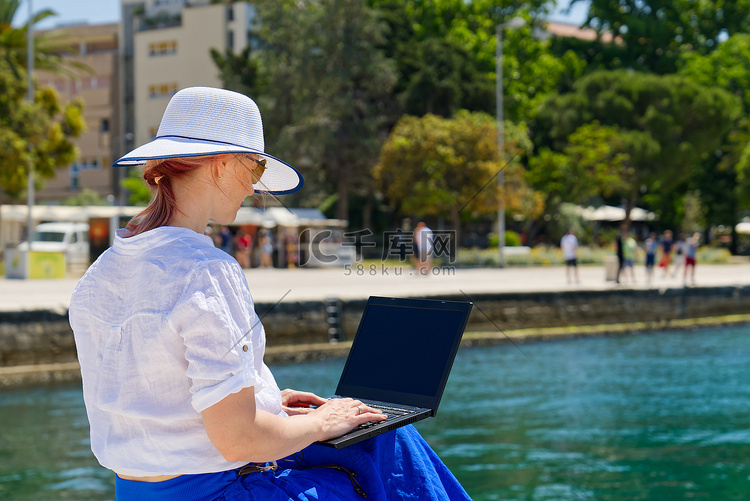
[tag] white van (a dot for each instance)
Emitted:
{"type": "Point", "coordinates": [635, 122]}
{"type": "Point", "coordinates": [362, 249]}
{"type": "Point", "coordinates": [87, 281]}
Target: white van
{"type": "Point", "coordinates": [70, 238]}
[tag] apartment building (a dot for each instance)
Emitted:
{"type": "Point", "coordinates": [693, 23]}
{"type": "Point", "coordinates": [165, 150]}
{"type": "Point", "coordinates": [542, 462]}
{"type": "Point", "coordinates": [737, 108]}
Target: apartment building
{"type": "Point", "coordinates": [97, 48]}
{"type": "Point", "coordinates": [166, 47]}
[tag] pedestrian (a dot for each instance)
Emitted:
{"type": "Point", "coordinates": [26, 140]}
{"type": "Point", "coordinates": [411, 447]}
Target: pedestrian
{"type": "Point", "coordinates": [423, 241]}
{"type": "Point", "coordinates": [179, 400]}
{"type": "Point", "coordinates": [619, 241]}
{"type": "Point", "coordinates": [629, 247]}
{"type": "Point", "coordinates": [226, 238]}
{"type": "Point", "coordinates": [243, 247]}
{"type": "Point", "coordinates": [266, 250]}
{"type": "Point", "coordinates": [666, 245]}
{"type": "Point", "coordinates": [691, 253]}
{"type": "Point", "coordinates": [679, 254]}
{"type": "Point", "coordinates": [651, 246]}
{"type": "Point", "coordinates": [569, 246]}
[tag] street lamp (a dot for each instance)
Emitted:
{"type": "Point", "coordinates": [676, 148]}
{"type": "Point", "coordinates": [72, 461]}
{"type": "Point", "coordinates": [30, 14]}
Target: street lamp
{"type": "Point", "coordinates": [30, 97]}
{"type": "Point", "coordinates": [516, 22]}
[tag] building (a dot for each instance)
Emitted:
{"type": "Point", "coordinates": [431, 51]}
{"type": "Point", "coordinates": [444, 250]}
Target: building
{"type": "Point", "coordinates": [166, 47]}
{"type": "Point", "coordinates": [159, 47]}
{"type": "Point", "coordinates": [97, 48]}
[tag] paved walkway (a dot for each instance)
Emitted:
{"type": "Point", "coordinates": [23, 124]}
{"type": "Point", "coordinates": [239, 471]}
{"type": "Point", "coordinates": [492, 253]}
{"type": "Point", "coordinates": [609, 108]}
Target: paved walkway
{"type": "Point", "coordinates": [271, 285]}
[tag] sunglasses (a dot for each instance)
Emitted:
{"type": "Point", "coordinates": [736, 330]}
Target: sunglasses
{"type": "Point", "coordinates": [261, 167]}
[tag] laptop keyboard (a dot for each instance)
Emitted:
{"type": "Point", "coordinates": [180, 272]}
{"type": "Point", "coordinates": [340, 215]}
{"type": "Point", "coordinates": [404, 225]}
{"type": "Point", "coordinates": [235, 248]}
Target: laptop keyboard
{"type": "Point", "coordinates": [392, 412]}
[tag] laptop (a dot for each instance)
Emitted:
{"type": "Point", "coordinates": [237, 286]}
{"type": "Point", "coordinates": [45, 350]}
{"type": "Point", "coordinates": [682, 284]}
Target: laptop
{"type": "Point", "coordinates": [400, 360]}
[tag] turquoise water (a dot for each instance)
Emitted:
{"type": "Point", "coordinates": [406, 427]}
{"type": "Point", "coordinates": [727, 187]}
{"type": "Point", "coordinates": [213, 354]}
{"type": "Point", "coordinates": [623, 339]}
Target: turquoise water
{"type": "Point", "coordinates": [649, 417]}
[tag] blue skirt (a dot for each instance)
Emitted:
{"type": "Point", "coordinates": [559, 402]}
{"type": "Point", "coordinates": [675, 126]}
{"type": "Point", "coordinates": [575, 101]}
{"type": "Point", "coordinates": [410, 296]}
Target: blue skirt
{"type": "Point", "coordinates": [398, 465]}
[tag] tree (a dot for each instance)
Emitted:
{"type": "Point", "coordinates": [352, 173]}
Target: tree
{"type": "Point", "coordinates": [444, 51]}
{"type": "Point", "coordinates": [328, 91]}
{"type": "Point", "coordinates": [239, 72]}
{"type": "Point", "coordinates": [667, 124]}
{"type": "Point", "coordinates": [48, 46]}
{"type": "Point", "coordinates": [38, 133]}
{"type": "Point", "coordinates": [140, 194]}
{"type": "Point", "coordinates": [447, 168]}
{"type": "Point", "coordinates": [594, 161]}
{"type": "Point", "coordinates": [723, 180]}
{"type": "Point", "coordinates": [86, 197]}
{"type": "Point", "coordinates": [654, 33]}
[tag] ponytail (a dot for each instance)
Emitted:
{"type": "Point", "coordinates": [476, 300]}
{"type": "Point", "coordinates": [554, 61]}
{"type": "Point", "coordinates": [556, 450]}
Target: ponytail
{"type": "Point", "coordinates": [159, 175]}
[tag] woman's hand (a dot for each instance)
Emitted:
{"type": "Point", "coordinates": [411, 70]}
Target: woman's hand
{"type": "Point", "coordinates": [240, 432]}
{"type": "Point", "coordinates": [342, 415]}
{"type": "Point", "coordinates": [299, 402]}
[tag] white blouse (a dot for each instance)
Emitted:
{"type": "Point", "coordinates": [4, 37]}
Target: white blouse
{"type": "Point", "coordinates": [165, 327]}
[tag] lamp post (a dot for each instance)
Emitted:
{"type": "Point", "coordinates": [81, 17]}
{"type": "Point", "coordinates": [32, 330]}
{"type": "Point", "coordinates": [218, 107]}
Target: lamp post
{"type": "Point", "coordinates": [30, 97]}
{"type": "Point", "coordinates": [516, 22]}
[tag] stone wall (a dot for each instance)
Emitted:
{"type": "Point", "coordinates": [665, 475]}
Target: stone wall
{"type": "Point", "coordinates": [36, 337]}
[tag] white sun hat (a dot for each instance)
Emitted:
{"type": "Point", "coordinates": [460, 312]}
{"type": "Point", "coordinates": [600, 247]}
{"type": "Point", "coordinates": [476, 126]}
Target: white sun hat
{"type": "Point", "coordinates": [201, 121]}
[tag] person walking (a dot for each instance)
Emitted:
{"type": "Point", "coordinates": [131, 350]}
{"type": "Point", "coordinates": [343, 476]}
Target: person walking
{"type": "Point", "coordinates": [691, 254]}
{"type": "Point", "coordinates": [620, 251]}
{"type": "Point", "coordinates": [569, 246]}
{"type": "Point", "coordinates": [629, 247]}
{"type": "Point", "coordinates": [651, 246]}
{"type": "Point", "coordinates": [266, 249]}
{"type": "Point", "coordinates": [180, 404]}
{"type": "Point", "coordinates": [666, 245]}
{"type": "Point", "coordinates": [423, 241]}
{"type": "Point", "coordinates": [679, 254]}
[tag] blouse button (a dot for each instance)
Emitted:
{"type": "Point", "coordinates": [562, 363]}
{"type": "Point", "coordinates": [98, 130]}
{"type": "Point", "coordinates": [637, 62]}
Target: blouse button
{"type": "Point", "coordinates": [244, 348]}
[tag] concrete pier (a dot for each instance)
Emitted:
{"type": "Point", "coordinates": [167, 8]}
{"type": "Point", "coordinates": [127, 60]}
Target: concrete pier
{"type": "Point", "coordinates": [36, 343]}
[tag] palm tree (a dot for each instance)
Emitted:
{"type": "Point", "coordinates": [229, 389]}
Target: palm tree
{"type": "Point", "coordinates": [48, 46]}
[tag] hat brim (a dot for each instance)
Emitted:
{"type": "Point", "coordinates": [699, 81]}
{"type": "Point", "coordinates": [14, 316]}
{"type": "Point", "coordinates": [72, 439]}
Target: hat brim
{"type": "Point", "coordinates": [280, 178]}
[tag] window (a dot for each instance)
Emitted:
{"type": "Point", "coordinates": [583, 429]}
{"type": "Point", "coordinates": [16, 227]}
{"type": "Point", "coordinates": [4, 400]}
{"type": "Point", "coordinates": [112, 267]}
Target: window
{"type": "Point", "coordinates": [104, 125]}
{"type": "Point", "coordinates": [230, 39]}
{"type": "Point", "coordinates": [162, 90]}
{"type": "Point", "coordinates": [73, 184]}
{"type": "Point", "coordinates": [164, 48]}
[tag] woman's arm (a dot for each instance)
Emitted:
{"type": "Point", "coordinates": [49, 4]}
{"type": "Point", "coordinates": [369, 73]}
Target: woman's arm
{"type": "Point", "coordinates": [240, 432]}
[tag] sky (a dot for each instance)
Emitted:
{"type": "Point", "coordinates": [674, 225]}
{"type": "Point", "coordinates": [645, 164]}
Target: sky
{"type": "Point", "coordinates": [108, 11]}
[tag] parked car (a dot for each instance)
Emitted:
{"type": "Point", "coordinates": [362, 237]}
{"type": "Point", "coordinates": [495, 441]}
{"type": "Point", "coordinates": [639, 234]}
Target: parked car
{"type": "Point", "coordinates": [70, 238]}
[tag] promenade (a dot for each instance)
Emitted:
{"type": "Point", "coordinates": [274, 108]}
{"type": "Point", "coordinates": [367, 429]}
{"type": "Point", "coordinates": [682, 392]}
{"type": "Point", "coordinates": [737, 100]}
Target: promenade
{"type": "Point", "coordinates": [292, 285]}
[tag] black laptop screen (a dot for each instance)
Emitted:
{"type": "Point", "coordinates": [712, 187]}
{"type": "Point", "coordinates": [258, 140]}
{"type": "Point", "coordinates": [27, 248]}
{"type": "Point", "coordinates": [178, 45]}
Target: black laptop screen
{"type": "Point", "coordinates": [404, 349]}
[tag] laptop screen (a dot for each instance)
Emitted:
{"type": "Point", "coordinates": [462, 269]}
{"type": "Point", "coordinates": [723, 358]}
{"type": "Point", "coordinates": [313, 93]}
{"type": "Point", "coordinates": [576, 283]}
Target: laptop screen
{"type": "Point", "coordinates": [404, 350]}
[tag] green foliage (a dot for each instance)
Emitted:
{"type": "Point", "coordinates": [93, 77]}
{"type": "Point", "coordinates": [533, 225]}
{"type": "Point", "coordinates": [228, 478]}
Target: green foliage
{"type": "Point", "coordinates": [444, 52]}
{"type": "Point", "coordinates": [447, 167]}
{"type": "Point", "coordinates": [724, 181]}
{"type": "Point", "coordinates": [537, 256]}
{"type": "Point", "coordinates": [658, 127]}
{"type": "Point", "coordinates": [512, 239]}
{"type": "Point", "coordinates": [38, 133]}
{"type": "Point", "coordinates": [140, 194]}
{"type": "Point", "coordinates": [331, 86]}
{"type": "Point", "coordinates": [653, 34]}
{"type": "Point", "coordinates": [239, 72]}
{"type": "Point", "coordinates": [49, 46]}
{"type": "Point", "coordinates": [86, 197]}
{"type": "Point", "coordinates": [594, 160]}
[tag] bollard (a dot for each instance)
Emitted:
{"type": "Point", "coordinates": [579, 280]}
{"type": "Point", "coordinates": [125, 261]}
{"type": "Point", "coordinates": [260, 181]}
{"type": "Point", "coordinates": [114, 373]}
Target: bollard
{"type": "Point", "coordinates": [333, 319]}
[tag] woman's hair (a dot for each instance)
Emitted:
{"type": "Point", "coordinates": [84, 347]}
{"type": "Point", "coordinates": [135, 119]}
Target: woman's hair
{"type": "Point", "coordinates": [159, 175]}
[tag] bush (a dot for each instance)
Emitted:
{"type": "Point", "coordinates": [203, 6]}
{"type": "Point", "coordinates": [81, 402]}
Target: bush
{"type": "Point", "coordinates": [552, 256]}
{"type": "Point", "coordinates": [512, 239]}
{"type": "Point", "coordinates": [537, 256]}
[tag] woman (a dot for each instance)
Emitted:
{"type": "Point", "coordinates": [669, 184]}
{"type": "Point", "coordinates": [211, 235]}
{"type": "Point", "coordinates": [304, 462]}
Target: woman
{"type": "Point", "coordinates": [180, 403]}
